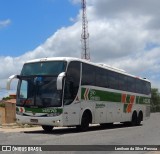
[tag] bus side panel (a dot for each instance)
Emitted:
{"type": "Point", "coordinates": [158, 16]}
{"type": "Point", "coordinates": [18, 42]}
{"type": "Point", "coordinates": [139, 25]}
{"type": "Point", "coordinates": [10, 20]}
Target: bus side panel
{"type": "Point", "coordinates": [71, 114]}
{"type": "Point", "coordinates": [100, 112]}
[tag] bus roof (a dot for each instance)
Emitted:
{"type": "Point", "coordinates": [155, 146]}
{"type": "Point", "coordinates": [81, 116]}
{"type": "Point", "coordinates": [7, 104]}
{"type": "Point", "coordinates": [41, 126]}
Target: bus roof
{"type": "Point", "coordinates": [69, 59]}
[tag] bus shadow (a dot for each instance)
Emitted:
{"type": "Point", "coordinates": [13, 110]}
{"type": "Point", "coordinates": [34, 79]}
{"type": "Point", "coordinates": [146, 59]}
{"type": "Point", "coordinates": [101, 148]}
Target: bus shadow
{"type": "Point", "coordinates": [73, 130]}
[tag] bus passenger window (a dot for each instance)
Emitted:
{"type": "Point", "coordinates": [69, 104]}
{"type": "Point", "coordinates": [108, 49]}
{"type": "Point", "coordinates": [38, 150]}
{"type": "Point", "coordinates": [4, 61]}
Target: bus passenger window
{"type": "Point", "coordinates": [72, 82]}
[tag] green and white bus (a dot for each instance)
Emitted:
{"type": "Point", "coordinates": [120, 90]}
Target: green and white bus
{"type": "Point", "coordinates": [57, 92]}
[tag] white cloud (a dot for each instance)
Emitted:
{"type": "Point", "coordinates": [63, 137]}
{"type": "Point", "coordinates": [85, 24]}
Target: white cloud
{"type": "Point", "coordinates": [5, 23]}
{"type": "Point", "coordinates": [122, 34]}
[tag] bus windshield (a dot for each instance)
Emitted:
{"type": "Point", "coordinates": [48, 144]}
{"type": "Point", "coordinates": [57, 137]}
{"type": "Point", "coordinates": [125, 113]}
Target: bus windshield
{"type": "Point", "coordinates": [37, 84]}
{"type": "Point", "coordinates": [40, 91]}
{"type": "Point", "coordinates": [44, 68]}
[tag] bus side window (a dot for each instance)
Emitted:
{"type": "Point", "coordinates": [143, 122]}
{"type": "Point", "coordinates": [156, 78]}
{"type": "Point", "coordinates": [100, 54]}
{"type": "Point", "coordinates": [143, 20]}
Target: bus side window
{"type": "Point", "coordinates": [131, 84]}
{"type": "Point", "coordinates": [146, 88]}
{"type": "Point", "coordinates": [113, 80]}
{"type": "Point", "coordinates": [72, 82]}
{"type": "Point", "coordinates": [101, 78]}
{"type": "Point", "coordinates": [88, 74]}
{"type": "Point", "coordinates": [122, 82]}
{"type": "Point", "coordinates": [138, 86]}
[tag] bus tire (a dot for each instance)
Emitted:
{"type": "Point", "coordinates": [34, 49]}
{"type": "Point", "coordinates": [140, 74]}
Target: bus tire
{"type": "Point", "coordinates": [140, 118]}
{"type": "Point", "coordinates": [47, 128]}
{"type": "Point", "coordinates": [84, 122]}
{"type": "Point", "coordinates": [134, 119]}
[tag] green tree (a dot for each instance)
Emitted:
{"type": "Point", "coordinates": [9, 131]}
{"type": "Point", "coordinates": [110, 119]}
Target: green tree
{"type": "Point", "coordinates": [155, 100]}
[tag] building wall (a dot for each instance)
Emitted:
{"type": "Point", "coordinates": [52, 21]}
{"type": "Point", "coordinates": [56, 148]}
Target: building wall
{"type": "Point", "coordinates": [10, 109]}
{"type": "Point", "coordinates": [8, 113]}
{"type": "Point", "coordinates": [2, 115]}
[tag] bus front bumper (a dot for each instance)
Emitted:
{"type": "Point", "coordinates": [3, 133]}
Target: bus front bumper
{"type": "Point", "coordinates": [50, 121]}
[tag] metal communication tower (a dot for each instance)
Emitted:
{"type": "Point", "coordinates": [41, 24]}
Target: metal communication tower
{"type": "Point", "coordinates": [85, 35]}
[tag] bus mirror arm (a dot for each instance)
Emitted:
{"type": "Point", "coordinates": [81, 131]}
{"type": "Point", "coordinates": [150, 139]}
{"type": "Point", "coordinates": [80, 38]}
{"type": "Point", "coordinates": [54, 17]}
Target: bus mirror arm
{"type": "Point", "coordinates": [60, 80]}
{"type": "Point", "coordinates": [10, 80]}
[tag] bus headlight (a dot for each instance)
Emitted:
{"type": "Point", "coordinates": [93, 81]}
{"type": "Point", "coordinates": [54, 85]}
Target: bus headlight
{"type": "Point", "coordinates": [53, 114]}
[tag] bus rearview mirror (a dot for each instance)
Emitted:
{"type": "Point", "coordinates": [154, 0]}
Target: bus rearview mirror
{"type": "Point", "coordinates": [10, 80]}
{"type": "Point", "coordinates": [60, 80]}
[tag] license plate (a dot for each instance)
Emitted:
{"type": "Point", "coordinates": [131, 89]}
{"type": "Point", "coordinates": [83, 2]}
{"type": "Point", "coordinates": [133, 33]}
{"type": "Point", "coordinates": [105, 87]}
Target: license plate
{"type": "Point", "coordinates": [34, 120]}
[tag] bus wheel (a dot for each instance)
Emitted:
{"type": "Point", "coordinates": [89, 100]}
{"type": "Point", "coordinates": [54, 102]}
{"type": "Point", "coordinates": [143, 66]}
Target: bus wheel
{"type": "Point", "coordinates": [84, 122]}
{"type": "Point", "coordinates": [47, 128]}
{"type": "Point", "coordinates": [140, 118]}
{"type": "Point", "coordinates": [134, 119]}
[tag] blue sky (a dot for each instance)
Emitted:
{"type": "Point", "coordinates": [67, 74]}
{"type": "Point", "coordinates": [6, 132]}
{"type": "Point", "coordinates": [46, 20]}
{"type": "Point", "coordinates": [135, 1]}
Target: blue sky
{"type": "Point", "coordinates": [30, 22]}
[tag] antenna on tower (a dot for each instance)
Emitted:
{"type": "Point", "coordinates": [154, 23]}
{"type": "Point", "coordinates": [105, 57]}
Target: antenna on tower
{"type": "Point", "coordinates": [85, 35]}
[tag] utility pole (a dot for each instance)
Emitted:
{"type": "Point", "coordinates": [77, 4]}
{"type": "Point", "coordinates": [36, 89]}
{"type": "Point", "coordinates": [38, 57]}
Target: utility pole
{"type": "Point", "coordinates": [85, 35]}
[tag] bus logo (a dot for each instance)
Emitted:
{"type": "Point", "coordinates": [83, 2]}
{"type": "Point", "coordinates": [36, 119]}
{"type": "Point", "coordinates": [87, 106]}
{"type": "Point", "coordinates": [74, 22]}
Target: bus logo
{"type": "Point", "coordinates": [86, 93]}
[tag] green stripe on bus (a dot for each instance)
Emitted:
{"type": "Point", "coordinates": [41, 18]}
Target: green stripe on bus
{"type": "Point", "coordinates": [99, 95]}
